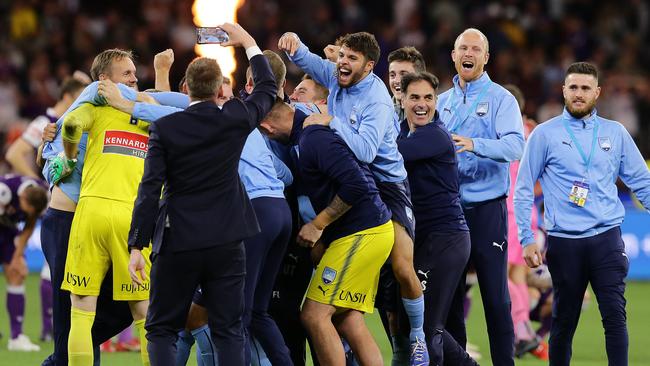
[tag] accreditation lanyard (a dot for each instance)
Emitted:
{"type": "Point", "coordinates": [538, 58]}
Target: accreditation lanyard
{"type": "Point", "coordinates": [453, 108]}
{"type": "Point", "coordinates": [586, 159]}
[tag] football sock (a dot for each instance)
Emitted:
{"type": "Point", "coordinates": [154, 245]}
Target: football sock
{"type": "Point", "coordinates": [415, 311]}
{"type": "Point", "coordinates": [183, 347]}
{"type": "Point", "coordinates": [80, 344]}
{"type": "Point", "coordinates": [144, 353]}
{"type": "Point", "coordinates": [205, 348]}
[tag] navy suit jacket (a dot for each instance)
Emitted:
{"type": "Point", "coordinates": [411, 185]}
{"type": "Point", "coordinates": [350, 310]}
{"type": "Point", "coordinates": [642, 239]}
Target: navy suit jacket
{"type": "Point", "coordinates": [195, 155]}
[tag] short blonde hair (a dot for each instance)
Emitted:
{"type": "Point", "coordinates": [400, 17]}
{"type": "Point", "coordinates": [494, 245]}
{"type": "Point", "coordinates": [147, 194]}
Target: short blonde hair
{"type": "Point", "coordinates": [102, 62]}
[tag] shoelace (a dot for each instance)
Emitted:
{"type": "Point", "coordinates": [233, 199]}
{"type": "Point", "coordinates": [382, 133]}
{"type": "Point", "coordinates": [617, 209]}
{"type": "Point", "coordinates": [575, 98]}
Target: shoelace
{"type": "Point", "coordinates": [419, 349]}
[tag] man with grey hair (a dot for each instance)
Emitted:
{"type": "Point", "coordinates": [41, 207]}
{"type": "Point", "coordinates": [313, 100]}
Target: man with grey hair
{"type": "Point", "coordinates": [486, 126]}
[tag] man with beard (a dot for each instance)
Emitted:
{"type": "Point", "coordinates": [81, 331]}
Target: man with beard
{"type": "Point", "coordinates": [578, 157]}
{"type": "Point", "coordinates": [361, 112]}
{"type": "Point", "coordinates": [485, 123]}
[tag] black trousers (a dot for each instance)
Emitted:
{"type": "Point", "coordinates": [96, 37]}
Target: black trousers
{"type": "Point", "coordinates": [488, 228]}
{"type": "Point", "coordinates": [440, 260]}
{"type": "Point", "coordinates": [111, 317]}
{"type": "Point", "coordinates": [288, 292]}
{"type": "Point", "coordinates": [220, 271]}
{"type": "Point", "coordinates": [573, 263]}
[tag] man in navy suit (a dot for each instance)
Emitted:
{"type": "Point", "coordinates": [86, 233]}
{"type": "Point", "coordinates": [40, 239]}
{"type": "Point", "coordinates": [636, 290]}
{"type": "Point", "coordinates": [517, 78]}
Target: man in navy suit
{"type": "Point", "coordinates": [204, 213]}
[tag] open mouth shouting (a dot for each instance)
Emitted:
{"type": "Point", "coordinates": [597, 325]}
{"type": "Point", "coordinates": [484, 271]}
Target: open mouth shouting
{"type": "Point", "coordinates": [467, 65]}
{"type": "Point", "coordinates": [345, 75]}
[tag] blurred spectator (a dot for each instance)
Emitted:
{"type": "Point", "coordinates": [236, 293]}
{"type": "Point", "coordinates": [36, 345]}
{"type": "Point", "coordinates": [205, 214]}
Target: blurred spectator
{"type": "Point", "coordinates": [531, 43]}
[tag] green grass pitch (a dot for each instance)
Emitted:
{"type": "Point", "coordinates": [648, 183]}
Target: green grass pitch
{"type": "Point", "coordinates": [588, 344]}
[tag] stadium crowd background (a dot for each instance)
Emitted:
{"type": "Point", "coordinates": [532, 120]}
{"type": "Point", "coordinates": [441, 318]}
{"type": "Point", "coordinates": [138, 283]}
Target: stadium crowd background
{"type": "Point", "coordinates": [531, 44]}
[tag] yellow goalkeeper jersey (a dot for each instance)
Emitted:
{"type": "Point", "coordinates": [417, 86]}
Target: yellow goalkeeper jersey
{"type": "Point", "coordinates": [115, 153]}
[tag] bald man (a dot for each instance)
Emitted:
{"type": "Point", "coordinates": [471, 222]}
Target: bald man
{"type": "Point", "coordinates": [487, 129]}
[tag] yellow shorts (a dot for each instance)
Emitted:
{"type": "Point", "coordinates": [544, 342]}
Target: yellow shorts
{"type": "Point", "coordinates": [348, 273]}
{"type": "Point", "coordinates": [98, 239]}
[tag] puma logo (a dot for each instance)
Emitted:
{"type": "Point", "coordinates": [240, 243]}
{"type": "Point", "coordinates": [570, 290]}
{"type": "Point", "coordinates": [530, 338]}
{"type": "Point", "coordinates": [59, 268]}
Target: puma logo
{"type": "Point", "coordinates": [425, 274]}
{"type": "Point", "coordinates": [500, 246]}
{"type": "Point", "coordinates": [293, 256]}
{"type": "Point", "coordinates": [567, 143]}
{"type": "Point", "coordinates": [322, 289]}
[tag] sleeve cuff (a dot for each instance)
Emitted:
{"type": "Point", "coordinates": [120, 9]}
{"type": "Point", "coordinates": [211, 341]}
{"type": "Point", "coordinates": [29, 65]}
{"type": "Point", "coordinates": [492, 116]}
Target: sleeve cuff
{"type": "Point", "coordinates": [527, 241]}
{"type": "Point", "coordinates": [127, 93]}
{"type": "Point", "coordinates": [478, 146]}
{"type": "Point", "coordinates": [253, 51]}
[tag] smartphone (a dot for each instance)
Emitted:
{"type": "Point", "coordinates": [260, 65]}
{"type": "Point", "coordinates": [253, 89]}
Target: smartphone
{"type": "Point", "coordinates": [211, 35]}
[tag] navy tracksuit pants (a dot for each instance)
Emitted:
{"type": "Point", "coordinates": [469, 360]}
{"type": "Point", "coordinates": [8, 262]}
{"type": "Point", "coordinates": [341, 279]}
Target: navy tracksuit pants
{"type": "Point", "coordinates": [574, 263]}
{"type": "Point", "coordinates": [264, 255]}
{"type": "Point", "coordinates": [488, 228]}
{"type": "Point", "coordinates": [440, 260]}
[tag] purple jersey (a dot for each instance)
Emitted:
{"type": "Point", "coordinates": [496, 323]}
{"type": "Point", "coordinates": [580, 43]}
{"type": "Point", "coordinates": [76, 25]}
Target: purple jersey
{"type": "Point", "coordinates": [10, 187]}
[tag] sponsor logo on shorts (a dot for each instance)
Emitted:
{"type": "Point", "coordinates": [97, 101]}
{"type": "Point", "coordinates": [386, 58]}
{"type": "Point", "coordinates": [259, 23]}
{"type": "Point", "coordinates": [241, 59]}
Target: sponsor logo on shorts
{"type": "Point", "coordinates": [328, 276]}
{"type": "Point", "coordinates": [132, 288]}
{"type": "Point", "coordinates": [125, 143]}
{"type": "Point", "coordinates": [349, 296]}
{"type": "Point", "coordinates": [77, 280]}
{"type": "Point", "coordinates": [323, 290]}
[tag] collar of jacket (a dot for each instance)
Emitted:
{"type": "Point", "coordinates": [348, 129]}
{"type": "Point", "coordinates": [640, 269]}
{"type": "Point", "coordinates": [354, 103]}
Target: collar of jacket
{"type": "Point", "coordinates": [471, 87]}
{"type": "Point", "coordinates": [586, 122]}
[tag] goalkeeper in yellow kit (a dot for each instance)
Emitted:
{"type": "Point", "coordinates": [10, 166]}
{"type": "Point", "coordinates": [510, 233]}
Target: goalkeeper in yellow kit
{"type": "Point", "coordinates": [114, 164]}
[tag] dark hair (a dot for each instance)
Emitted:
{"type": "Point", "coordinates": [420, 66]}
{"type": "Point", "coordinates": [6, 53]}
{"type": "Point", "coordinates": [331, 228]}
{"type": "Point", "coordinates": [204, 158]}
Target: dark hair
{"type": "Point", "coordinates": [408, 54]}
{"type": "Point", "coordinates": [320, 90]}
{"type": "Point", "coordinates": [71, 86]}
{"type": "Point", "coordinates": [583, 68]}
{"type": "Point", "coordinates": [36, 196]}
{"type": "Point", "coordinates": [419, 76]}
{"type": "Point", "coordinates": [203, 78]}
{"type": "Point", "coordinates": [363, 42]}
{"type": "Point", "coordinates": [102, 62]}
{"type": "Point", "coordinates": [518, 94]}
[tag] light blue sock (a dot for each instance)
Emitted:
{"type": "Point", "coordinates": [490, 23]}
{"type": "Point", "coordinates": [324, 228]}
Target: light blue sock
{"type": "Point", "coordinates": [183, 347]}
{"type": "Point", "coordinates": [258, 356]}
{"type": "Point", "coordinates": [205, 349]}
{"type": "Point", "coordinates": [415, 311]}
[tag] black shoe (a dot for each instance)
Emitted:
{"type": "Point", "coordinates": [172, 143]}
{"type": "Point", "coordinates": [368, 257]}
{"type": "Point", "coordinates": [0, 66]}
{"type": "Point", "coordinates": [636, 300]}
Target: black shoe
{"type": "Point", "coordinates": [49, 361]}
{"type": "Point", "coordinates": [523, 347]}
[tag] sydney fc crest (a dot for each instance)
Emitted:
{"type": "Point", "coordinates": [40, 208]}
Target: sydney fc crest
{"type": "Point", "coordinates": [328, 275]}
{"type": "Point", "coordinates": [482, 109]}
{"type": "Point", "coordinates": [604, 143]}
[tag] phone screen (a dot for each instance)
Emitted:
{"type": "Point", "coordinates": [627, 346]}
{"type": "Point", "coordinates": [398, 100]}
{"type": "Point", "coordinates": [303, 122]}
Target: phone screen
{"type": "Point", "coordinates": [211, 35]}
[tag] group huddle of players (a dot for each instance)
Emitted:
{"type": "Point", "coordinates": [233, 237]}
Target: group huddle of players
{"type": "Point", "coordinates": [357, 210]}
